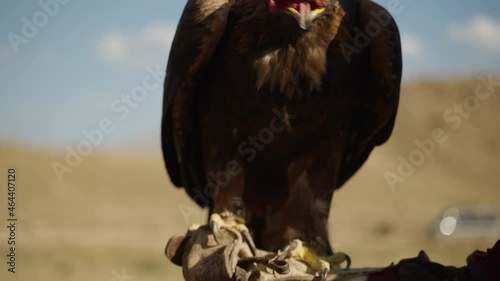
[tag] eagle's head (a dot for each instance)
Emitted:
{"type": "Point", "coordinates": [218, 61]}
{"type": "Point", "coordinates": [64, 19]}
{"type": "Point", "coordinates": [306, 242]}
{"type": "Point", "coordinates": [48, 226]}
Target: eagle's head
{"type": "Point", "coordinates": [304, 11]}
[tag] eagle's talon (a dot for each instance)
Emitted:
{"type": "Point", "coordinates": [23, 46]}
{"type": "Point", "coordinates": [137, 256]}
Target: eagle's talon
{"type": "Point", "coordinates": [324, 273]}
{"type": "Point", "coordinates": [297, 250]}
{"type": "Point", "coordinates": [216, 221]}
{"type": "Point", "coordinates": [338, 258]}
{"type": "Point", "coordinates": [348, 261]}
{"type": "Point", "coordinates": [215, 229]}
{"type": "Point", "coordinates": [215, 226]}
{"type": "Point", "coordinates": [284, 252]}
{"type": "Point", "coordinates": [251, 244]}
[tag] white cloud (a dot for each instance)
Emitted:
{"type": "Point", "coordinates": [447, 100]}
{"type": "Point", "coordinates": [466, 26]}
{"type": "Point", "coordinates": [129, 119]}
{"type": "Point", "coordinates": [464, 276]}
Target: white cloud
{"type": "Point", "coordinates": [148, 46]}
{"type": "Point", "coordinates": [113, 47]}
{"type": "Point", "coordinates": [411, 45]}
{"type": "Point", "coordinates": [481, 32]}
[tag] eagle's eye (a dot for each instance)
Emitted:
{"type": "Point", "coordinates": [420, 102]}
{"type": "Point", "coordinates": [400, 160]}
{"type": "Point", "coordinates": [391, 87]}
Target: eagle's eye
{"type": "Point", "coordinates": [304, 11]}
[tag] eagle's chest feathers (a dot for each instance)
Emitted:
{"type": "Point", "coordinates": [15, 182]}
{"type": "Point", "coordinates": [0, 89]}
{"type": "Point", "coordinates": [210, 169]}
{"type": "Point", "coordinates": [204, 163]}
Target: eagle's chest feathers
{"type": "Point", "coordinates": [293, 70]}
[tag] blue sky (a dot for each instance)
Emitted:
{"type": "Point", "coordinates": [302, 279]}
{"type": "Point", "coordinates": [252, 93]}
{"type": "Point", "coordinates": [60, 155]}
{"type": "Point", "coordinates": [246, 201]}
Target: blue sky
{"type": "Point", "coordinates": [87, 54]}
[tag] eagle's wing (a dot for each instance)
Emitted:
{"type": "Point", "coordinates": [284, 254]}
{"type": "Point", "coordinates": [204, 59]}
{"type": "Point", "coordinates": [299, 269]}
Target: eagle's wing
{"type": "Point", "coordinates": [374, 124]}
{"type": "Point", "coordinates": [200, 28]}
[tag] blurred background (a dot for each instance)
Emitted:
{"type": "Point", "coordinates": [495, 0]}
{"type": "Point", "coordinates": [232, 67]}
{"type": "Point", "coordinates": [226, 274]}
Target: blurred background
{"type": "Point", "coordinates": [94, 201]}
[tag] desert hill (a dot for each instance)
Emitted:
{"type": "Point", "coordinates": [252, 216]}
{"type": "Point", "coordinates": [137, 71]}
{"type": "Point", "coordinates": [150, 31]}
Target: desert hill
{"type": "Point", "coordinates": [115, 211]}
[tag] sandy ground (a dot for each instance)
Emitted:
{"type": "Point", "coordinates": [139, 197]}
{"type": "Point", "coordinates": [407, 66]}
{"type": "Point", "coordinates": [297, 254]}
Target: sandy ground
{"type": "Point", "coordinates": [111, 217]}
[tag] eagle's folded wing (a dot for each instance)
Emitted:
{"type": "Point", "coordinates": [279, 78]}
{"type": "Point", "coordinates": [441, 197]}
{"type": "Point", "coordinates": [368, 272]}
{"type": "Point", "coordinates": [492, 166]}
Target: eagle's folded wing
{"type": "Point", "coordinates": [200, 28]}
{"type": "Point", "coordinates": [374, 124]}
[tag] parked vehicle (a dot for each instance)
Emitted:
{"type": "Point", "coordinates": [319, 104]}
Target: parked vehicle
{"type": "Point", "coordinates": [471, 222]}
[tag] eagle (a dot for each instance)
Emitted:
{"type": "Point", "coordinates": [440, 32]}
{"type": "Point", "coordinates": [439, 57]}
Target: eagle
{"type": "Point", "coordinates": [272, 105]}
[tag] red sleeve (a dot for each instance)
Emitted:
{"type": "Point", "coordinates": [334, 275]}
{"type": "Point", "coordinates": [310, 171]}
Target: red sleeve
{"type": "Point", "coordinates": [389, 275]}
{"type": "Point", "coordinates": [487, 263]}
{"type": "Point", "coordinates": [481, 266]}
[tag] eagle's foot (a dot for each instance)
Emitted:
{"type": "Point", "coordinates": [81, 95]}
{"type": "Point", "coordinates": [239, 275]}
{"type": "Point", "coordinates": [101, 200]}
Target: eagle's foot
{"type": "Point", "coordinates": [227, 219]}
{"type": "Point", "coordinates": [339, 258]}
{"type": "Point", "coordinates": [297, 250]}
{"type": "Point", "coordinates": [193, 227]}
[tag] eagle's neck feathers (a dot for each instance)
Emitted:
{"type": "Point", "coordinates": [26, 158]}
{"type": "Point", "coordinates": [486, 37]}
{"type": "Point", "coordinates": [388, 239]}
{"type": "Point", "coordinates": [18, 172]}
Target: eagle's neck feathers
{"type": "Point", "coordinates": [286, 59]}
{"type": "Point", "coordinates": [296, 69]}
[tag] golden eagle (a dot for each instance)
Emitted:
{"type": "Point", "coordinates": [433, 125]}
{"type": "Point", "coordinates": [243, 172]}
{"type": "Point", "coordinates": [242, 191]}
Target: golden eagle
{"type": "Point", "coordinates": [278, 103]}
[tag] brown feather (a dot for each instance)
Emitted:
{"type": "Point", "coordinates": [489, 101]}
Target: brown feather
{"type": "Point", "coordinates": [234, 69]}
{"type": "Point", "coordinates": [198, 33]}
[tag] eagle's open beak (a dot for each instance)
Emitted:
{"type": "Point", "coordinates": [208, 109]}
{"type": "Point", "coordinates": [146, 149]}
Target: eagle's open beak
{"type": "Point", "coordinates": [304, 15]}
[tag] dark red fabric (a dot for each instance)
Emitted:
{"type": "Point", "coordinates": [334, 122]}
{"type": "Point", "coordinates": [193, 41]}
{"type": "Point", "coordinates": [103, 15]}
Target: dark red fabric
{"type": "Point", "coordinates": [481, 266]}
{"type": "Point", "coordinates": [487, 263]}
{"type": "Point", "coordinates": [389, 275]}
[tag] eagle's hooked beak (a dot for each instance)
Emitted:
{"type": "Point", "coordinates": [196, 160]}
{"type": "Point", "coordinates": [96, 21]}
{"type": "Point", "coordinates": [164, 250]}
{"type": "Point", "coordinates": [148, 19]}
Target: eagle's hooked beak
{"type": "Point", "coordinates": [305, 15]}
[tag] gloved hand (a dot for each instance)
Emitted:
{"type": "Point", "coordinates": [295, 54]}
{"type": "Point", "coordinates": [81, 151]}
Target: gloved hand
{"type": "Point", "coordinates": [202, 259]}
